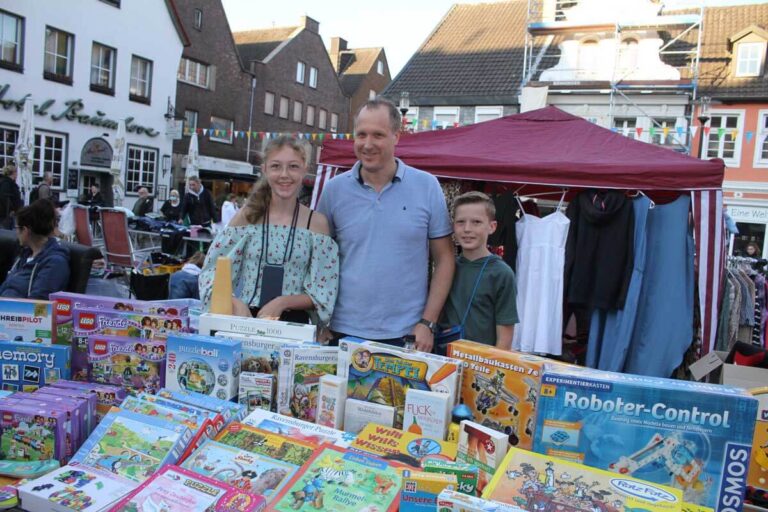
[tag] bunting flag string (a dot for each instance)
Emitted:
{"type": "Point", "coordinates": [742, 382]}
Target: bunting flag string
{"type": "Point", "coordinates": [245, 134]}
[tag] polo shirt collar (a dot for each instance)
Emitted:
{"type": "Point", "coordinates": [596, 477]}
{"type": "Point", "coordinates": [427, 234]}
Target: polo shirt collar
{"type": "Point", "coordinates": [399, 173]}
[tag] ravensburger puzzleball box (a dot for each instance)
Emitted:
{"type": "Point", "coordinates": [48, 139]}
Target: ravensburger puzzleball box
{"type": "Point", "coordinates": [203, 364]}
{"type": "Point", "coordinates": [692, 436]}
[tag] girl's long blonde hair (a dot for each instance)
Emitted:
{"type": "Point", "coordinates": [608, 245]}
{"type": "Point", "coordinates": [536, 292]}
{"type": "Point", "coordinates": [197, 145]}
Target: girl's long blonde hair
{"type": "Point", "coordinates": [258, 201]}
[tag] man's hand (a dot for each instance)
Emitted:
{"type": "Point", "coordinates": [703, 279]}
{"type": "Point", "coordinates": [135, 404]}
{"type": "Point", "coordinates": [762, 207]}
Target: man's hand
{"type": "Point", "coordinates": [425, 339]}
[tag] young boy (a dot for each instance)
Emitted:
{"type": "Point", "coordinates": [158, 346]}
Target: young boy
{"type": "Point", "coordinates": [493, 312]}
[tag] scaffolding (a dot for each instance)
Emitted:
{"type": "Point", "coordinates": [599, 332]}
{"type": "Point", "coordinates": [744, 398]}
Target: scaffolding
{"type": "Point", "coordinates": [681, 32]}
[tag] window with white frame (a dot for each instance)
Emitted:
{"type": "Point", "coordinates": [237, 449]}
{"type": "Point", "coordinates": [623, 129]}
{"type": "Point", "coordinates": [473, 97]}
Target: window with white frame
{"type": "Point", "coordinates": [761, 142]}
{"type": "Point", "coordinates": [322, 119]}
{"type": "Point", "coordinates": [313, 77]}
{"type": "Point", "coordinates": [446, 117]}
{"type": "Point", "coordinates": [488, 113]}
{"type": "Point", "coordinates": [310, 115]}
{"type": "Point", "coordinates": [626, 126]}
{"type": "Point", "coordinates": [141, 169]}
{"type": "Point", "coordinates": [300, 71]}
{"type": "Point", "coordinates": [59, 46]}
{"type": "Point", "coordinates": [749, 59]}
{"type": "Point", "coordinates": [665, 132]}
{"type": "Point", "coordinates": [7, 145]}
{"type": "Point", "coordinates": [50, 155]}
{"type": "Point", "coordinates": [298, 111]}
{"type": "Point", "coordinates": [380, 67]}
{"type": "Point", "coordinates": [334, 122]}
{"type": "Point", "coordinates": [11, 44]}
{"type": "Point", "coordinates": [285, 104]}
{"type": "Point", "coordinates": [269, 103]}
{"type": "Point", "coordinates": [103, 68]}
{"type": "Point", "coordinates": [141, 79]}
{"type": "Point", "coordinates": [724, 139]}
{"type": "Point", "coordinates": [589, 57]}
{"type": "Point", "coordinates": [195, 73]}
{"type": "Point", "coordinates": [190, 121]}
{"type": "Point", "coordinates": [221, 130]}
{"type": "Point", "coordinates": [412, 118]}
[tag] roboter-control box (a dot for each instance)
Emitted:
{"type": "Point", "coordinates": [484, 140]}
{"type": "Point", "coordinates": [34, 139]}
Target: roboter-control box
{"type": "Point", "coordinates": [691, 436]}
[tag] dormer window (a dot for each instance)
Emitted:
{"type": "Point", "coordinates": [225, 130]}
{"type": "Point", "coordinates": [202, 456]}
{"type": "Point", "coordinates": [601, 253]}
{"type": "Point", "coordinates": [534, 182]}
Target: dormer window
{"type": "Point", "coordinates": [749, 59]}
{"type": "Point", "coordinates": [588, 56]}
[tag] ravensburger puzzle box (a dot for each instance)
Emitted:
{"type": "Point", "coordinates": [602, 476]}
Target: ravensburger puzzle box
{"type": "Point", "coordinates": [692, 436]}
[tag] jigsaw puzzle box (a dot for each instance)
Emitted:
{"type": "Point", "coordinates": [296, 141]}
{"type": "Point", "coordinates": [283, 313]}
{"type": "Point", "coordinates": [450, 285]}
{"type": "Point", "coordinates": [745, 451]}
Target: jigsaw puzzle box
{"type": "Point", "coordinates": [298, 382]}
{"type": "Point", "coordinates": [297, 429]}
{"type": "Point", "coordinates": [692, 436]}
{"type": "Point", "coordinates": [211, 323]}
{"type": "Point", "coordinates": [203, 364]}
{"type": "Point", "coordinates": [27, 320]}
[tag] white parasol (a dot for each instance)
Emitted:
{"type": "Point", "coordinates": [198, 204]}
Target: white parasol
{"type": "Point", "coordinates": [116, 168]}
{"type": "Point", "coordinates": [25, 149]}
{"type": "Point", "coordinates": [193, 157]}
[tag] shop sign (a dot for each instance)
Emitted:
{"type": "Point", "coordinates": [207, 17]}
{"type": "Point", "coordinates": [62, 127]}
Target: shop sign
{"type": "Point", "coordinates": [73, 110]}
{"type": "Point", "coordinates": [96, 152]}
{"type": "Point", "coordinates": [750, 214]}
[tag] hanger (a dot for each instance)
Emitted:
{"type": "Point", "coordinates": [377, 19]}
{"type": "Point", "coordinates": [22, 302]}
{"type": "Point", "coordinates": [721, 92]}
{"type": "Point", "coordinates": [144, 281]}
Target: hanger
{"type": "Point", "coordinates": [639, 193]}
{"type": "Point", "coordinates": [551, 192]}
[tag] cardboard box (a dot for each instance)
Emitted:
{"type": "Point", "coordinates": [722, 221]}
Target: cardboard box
{"type": "Point", "coordinates": [203, 364]}
{"type": "Point", "coordinates": [211, 323]}
{"type": "Point", "coordinates": [466, 474]}
{"type": "Point", "coordinates": [297, 429]}
{"type": "Point", "coordinates": [331, 401]}
{"type": "Point", "coordinates": [420, 490]}
{"type": "Point", "coordinates": [394, 444]}
{"type": "Point", "coordinates": [256, 390]}
{"type": "Point", "coordinates": [482, 447]}
{"type": "Point", "coordinates": [27, 366]}
{"type": "Point", "coordinates": [299, 378]}
{"type": "Point", "coordinates": [454, 501]}
{"type": "Point", "coordinates": [359, 414]}
{"type": "Point", "coordinates": [28, 320]}
{"type": "Point", "coordinates": [758, 466]}
{"type": "Point", "coordinates": [427, 413]}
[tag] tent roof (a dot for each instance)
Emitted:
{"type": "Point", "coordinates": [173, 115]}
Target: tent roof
{"type": "Point", "coordinates": [545, 147]}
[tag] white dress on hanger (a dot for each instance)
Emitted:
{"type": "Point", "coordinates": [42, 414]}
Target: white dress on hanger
{"type": "Point", "coordinates": [540, 267]}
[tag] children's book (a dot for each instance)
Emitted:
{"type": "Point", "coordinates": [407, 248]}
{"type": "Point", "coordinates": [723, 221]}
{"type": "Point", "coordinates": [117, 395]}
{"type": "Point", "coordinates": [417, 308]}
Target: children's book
{"type": "Point", "coordinates": [203, 364]}
{"type": "Point", "coordinates": [427, 413]}
{"type": "Point", "coordinates": [358, 414]}
{"type": "Point", "coordinates": [28, 320]}
{"type": "Point", "coordinates": [27, 366]}
{"type": "Point", "coordinates": [74, 487]}
{"type": "Point", "coordinates": [481, 447]}
{"type": "Point", "coordinates": [298, 429]}
{"type": "Point", "coordinates": [136, 365]}
{"type": "Point", "coordinates": [263, 442]}
{"type": "Point", "coordinates": [175, 489]}
{"type": "Point", "coordinates": [341, 481]}
{"type": "Point", "coordinates": [403, 447]}
{"type": "Point", "coordinates": [257, 390]}
{"type": "Point", "coordinates": [531, 480]}
{"type": "Point", "coordinates": [299, 378]}
{"type": "Point", "coordinates": [133, 445]}
{"type": "Point", "coordinates": [245, 470]}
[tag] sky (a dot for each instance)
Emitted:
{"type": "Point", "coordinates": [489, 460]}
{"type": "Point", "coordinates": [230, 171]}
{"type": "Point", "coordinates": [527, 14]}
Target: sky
{"type": "Point", "coordinates": [400, 26]}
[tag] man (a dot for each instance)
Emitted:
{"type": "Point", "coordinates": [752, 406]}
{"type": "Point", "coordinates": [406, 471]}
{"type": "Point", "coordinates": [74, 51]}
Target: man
{"type": "Point", "coordinates": [43, 190]}
{"type": "Point", "coordinates": [198, 204]}
{"type": "Point", "coordinates": [10, 197]}
{"type": "Point", "coordinates": [93, 197]}
{"type": "Point", "coordinates": [144, 203]}
{"type": "Point", "coordinates": [388, 218]}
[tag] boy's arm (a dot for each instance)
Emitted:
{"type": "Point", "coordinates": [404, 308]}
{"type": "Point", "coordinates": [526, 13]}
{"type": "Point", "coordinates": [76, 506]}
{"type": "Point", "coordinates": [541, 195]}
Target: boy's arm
{"type": "Point", "coordinates": [504, 335]}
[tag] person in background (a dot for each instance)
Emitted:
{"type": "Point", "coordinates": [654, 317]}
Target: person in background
{"type": "Point", "coordinates": [43, 190]}
{"type": "Point", "coordinates": [144, 204]}
{"type": "Point", "coordinates": [171, 208]}
{"type": "Point", "coordinates": [10, 196]}
{"type": "Point", "coordinates": [228, 209]}
{"type": "Point", "coordinates": [493, 307]}
{"type": "Point", "coordinates": [43, 265]}
{"type": "Point", "coordinates": [198, 204]}
{"type": "Point", "coordinates": [752, 250]}
{"type": "Point", "coordinates": [183, 284]}
{"type": "Point", "coordinates": [93, 197]}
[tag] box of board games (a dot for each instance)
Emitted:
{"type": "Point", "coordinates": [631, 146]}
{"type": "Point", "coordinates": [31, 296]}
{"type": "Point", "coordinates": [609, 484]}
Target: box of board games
{"type": "Point", "coordinates": [27, 320]}
{"type": "Point", "coordinates": [404, 447]}
{"type": "Point", "coordinates": [758, 467]}
{"type": "Point", "coordinates": [531, 480]}
{"type": "Point", "coordinates": [210, 421]}
{"type": "Point", "coordinates": [245, 470]}
{"type": "Point", "coordinates": [229, 411]}
{"type": "Point", "coordinates": [420, 490]}
{"type": "Point", "coordinates": [454, 501]}
{"type": "Point", "coordinates": [693, 436]}
{"type": "Point", "coordinates": [297, 429]}
{"type": "Point", "coordinates": [331, 401]}
{"type": "Point", "coordinates": [260, 355]}
{"type": "Point", "coordinates": [482, 447]}
{"type": "Point", "coordinates": [175, 489]}
{"type": "Point", "coordinates": [263, 442]}
{"type": "Point", "coordinates": [256, 390]}
{"type": "Point", "coordinates": [358, 414]}
{"type": "Point", "coordinates": [381, 373]}
{"type": "Point", "coordinates": [301, 367]}
{"type": "Point", "coordinates": [135, 365]}
{"type": "Point", "coordinates": [31, 433]}
{"type": "Point", "coordinates": [211, 323]}
{"type": "Point", "coordinates": [89, 399]}
{"type": "Point", "coordinates": [68, 411]}
{"type": "Point", "coordinates": [74, 487]}
{"type": "Point", "coordinates": [466, 474]}
{"type": "Point", "coordinates": [133, 445]}
{"type": "Point", "coordinates": [500, 387]}
{"type": "Point", "coordinates": [341, 481]}
{"type": "Point", "coordinates": [27, 366]}
{"type": "Point", "coordinates": [203, 364]}
{"type": "Point", "coordinates": [107, 396]}
{"type": "Point", "coordinates": [427, 413]}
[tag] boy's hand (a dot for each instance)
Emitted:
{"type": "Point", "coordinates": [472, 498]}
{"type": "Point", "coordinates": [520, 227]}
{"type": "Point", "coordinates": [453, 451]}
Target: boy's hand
{"type": "Point", "coordinates": [425, 339]}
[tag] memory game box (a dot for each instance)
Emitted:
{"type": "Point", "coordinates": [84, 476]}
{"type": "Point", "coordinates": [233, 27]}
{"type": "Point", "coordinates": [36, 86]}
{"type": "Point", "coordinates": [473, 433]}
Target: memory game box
{"type": "Point", "coordinates": [203, 364]}
{"type": "Point", "coordinates": [692, 436]}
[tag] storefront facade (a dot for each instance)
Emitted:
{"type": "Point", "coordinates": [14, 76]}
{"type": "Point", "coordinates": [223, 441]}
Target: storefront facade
{"type": "Point", "coordinates": [83, 76]}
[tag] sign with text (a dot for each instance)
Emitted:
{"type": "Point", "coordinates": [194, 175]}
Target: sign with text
{"type": "Point", "coordinates": [751, 214]}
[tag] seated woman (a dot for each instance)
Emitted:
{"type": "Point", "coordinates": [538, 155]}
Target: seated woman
{"type": "Point", "coordinates": [183, 284]}
{"type": "Point", "coordinates": [43, 265]}
{"type": "Point", "coordinates": [284, 263]}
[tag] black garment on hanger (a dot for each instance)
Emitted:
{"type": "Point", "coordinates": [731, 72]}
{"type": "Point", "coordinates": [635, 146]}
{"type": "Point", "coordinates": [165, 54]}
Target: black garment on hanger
{"type": "Point", "coordinates": [599, 253]}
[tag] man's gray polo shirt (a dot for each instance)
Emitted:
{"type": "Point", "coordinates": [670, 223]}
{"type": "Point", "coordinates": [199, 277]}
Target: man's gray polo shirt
{"type": "Point", "coordinates": [383, 248]}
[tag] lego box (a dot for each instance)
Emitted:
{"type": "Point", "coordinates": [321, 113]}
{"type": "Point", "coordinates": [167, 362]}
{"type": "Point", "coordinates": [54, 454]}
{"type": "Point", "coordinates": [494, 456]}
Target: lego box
{"type": "Point", "coordinates": [691, 436]}
{"type": "Point", "coordinates": [203, 364]}
{"type": "Point", "coordinates": [501, 388]}
{"type": "Point", "coordinates": [135, 365]}
{"type": "Point", "coordinates": [27, 320]}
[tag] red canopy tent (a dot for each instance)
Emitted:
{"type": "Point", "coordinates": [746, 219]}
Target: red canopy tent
{"type": "Point", "coordinates": [549, 148]}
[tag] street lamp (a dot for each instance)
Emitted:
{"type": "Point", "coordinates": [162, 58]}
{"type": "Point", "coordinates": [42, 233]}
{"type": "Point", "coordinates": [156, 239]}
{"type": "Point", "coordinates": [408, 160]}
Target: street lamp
{"type": "Point", "coordinates": [703, 118]}
{"type": "Point", "coordinates": [405, 104]}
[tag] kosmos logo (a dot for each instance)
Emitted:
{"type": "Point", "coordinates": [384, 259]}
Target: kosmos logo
{"type": "Point", "coordinates": [733, 484]}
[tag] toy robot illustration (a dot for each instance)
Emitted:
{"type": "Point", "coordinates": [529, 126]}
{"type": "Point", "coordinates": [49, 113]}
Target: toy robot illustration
{"type": "Point", "coordinates": [674, 454]}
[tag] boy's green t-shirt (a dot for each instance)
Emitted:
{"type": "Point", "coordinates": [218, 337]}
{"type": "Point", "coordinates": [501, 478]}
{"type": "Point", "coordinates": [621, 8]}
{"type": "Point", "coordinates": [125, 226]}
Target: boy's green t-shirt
{"type": "Point", "coordinates": [495, 301]}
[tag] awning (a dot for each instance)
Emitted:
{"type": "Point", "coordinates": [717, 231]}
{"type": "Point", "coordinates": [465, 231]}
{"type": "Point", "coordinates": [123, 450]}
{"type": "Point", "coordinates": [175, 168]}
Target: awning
{"type": "Point", "coordinates": [222, 165]}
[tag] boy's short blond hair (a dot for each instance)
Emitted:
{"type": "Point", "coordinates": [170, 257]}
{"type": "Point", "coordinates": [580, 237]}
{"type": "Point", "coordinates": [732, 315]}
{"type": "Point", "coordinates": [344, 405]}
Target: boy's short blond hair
{"type": "Point", "coordinates": [475, 197]}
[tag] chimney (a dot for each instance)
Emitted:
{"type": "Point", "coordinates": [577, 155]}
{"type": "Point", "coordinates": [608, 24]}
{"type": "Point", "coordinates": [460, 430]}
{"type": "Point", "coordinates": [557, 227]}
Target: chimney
{"type": "Point", "coordinates": [310, 24]}
{"type": "Point", "coordinates": [338, 45]}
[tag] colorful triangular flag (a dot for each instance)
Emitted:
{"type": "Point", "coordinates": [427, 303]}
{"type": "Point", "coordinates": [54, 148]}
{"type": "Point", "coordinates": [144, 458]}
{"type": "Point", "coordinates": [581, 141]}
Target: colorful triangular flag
{"type": "Point", "coordinates": [652, 130]}
{"type": "Point", "coordinates": [750, 135]}
{"type": "Point", "coordinates": [694, 129]}
{"type": "Point", "coordinates": [720, 133]}
{"type": "Point", "coordinates": [639, 131]}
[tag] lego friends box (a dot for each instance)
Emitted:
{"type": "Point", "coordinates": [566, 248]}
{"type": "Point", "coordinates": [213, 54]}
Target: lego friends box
{"type": "Point", "coordinates": [691, 436]}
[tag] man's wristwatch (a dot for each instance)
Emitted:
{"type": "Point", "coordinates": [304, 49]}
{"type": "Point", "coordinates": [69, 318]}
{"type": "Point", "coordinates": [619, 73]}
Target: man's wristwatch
{"type": "Point", "coordinates": [432, 326]}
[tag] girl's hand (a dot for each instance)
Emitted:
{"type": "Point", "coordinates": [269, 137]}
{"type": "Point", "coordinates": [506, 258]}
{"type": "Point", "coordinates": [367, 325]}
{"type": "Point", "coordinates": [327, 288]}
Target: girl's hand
{"type": "Point", "coordinates": [272, 309]}
{"type": "Point", "coordinates": [239, 308]}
